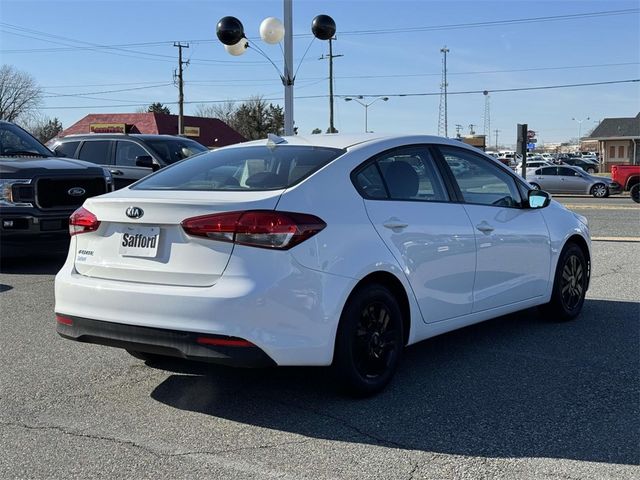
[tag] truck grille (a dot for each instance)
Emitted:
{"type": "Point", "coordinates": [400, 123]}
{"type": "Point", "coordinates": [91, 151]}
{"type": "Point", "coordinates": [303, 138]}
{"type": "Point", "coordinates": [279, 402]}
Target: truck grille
{"type": "Point", "coordinates": [53, 193]}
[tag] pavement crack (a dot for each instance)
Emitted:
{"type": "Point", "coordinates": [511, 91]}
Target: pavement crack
{"type": "Point", "coordinates": [150, 450]}
{"type": "Point", "coordinates": [82, 435]}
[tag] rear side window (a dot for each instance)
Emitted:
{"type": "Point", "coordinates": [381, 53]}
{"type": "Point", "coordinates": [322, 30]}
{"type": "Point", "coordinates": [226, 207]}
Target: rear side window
{"type": "Point", "coordinates": [67, 149]}
{"type": "Point", "coordinates": [95, 151]}
{"type": "Point", "coordinates": [547, 171]}
{"type": "Point", "coordinates": [407, 173]}
{"type": "Point", "coordinates": [242, 169]}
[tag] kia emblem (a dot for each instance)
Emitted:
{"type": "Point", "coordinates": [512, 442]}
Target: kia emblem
{"type": "Point", "coordinates": [76, 191]}
{"type": "Point", "coordinates": [134, 212]}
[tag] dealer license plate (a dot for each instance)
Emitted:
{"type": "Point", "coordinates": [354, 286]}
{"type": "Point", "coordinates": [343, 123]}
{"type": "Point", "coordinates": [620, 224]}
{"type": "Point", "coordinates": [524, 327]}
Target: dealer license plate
{"type": "Point", "coordinates": [139, 242]}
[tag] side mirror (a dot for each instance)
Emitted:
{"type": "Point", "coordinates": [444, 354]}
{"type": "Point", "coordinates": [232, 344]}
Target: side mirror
{"type": "Point", "coordinates": [146, 161]}
{"type": "Point", "coordinates": [538, 199]}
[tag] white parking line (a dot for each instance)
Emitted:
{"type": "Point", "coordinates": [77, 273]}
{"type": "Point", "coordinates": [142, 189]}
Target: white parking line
{"type": "Point", "coordinates": [615, 239]}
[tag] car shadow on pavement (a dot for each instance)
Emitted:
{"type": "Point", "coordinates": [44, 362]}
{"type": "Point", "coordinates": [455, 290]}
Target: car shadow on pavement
{"type": "Point", "coordinates": [32, 265]}
{"type": "Point", "coordinates": [516, 386]}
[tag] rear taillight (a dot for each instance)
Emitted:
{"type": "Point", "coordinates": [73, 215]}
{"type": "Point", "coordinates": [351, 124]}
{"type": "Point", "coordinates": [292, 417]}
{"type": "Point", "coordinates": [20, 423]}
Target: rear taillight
{"type": "Point", "coordinates": [256, 228]}
{"type": "Point", "coordinates": [82, 221]}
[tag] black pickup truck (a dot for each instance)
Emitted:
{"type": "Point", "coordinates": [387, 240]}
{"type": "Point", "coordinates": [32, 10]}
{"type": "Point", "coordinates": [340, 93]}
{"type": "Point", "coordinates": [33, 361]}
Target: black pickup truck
{"type": "Point", "coordinates": [38, 192]}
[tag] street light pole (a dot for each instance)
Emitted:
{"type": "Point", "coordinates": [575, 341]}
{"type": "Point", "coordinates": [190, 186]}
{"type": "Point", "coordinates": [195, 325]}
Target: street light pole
{"type": "Point", "coordinates": [366, 108]}
{"type": "Point", "coordinates": [580, 126]}
{"type": "Point", "coordinates": [288, 67]}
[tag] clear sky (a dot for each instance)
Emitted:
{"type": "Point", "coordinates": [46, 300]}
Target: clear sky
{"type": "Point", "coordinates": [390, 47]}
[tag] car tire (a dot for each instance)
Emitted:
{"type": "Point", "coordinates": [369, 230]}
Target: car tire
{"type": "Point", "coordinates": [535, 186]}
{"type": "Point", "coordinates": [591, 170]}
{"type": "Point", "coordinates": [635, 193]}
{"type": "Point", "coordinates": [569, 285]}
{"type": "Point", "coordinates": [600, 190]}
{"type": "Point", "coordinates": [369, 341]}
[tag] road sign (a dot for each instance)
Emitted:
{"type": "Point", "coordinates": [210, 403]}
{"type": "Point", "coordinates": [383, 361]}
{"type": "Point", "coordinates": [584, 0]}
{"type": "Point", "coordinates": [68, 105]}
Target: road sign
{"type": "Point", "coordinates": [531, 134]}
{"type": "Point", "coordinates": [531, 146]}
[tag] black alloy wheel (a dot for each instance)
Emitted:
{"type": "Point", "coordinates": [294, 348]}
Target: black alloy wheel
{"type": "Point", "coordinates": [572, 285]}
{"type": "Point", "coordinates": [369, 341]}
{"type": "Point", "coordinates": [569, 286]}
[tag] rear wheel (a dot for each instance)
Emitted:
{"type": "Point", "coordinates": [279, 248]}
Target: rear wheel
{"type": "Point", "coordinates": [591, 170]}
{"type": "Point", "coordinates": [569, 286]}
{"type": "Point", "coordinates": [369, 341]}
{"type": "Point", "coordinates": [600, 190]}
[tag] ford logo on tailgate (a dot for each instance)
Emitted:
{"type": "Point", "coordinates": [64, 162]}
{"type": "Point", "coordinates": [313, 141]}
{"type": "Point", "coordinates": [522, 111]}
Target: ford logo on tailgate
{"type": "Point", "coordinates": [134, 212]}
{"type": "Point", "coordinates": [76, 191]}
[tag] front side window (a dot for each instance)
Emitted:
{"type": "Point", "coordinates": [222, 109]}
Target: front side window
{"type": "Point", "coordinates": [480, 181]}
{"type": "Point", "coordinates": [172, 150]}
{"type": "Point", "coordinates": [95, 151]}
{"type": "Point", "coordinates": [126, 153]}
{"type": "Point", "coordinates": [407, 173]}
{"type": "Point", "coordinates": [242, 169]}
{"type": "Point", "coordinates": [567, 172]}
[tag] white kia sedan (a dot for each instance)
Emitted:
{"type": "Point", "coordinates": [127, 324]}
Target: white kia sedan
{"type": "Point", "coordinates": [321, 250]}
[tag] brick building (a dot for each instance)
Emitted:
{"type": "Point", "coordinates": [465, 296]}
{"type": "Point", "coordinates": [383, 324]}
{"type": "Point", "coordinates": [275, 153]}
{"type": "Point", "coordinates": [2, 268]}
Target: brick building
{"type": "Point", "coordinates": [210, 132]}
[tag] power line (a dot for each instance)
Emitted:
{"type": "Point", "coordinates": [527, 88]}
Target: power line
{"type": "Point", "coordinates": [234, 81]}
{"type": "Point", "coordinates": [374, 31]}
{"type": "Point", "coordinates": [307, 97]}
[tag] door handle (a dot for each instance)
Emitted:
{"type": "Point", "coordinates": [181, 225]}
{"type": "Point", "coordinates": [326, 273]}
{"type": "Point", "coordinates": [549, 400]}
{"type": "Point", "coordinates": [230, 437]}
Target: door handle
{"type": "Point", "coordinates": [394, 224]}
{"type": "Point", "coordinates": [484, 227]}
{"type": "Point", "coordinates": [116, 172]}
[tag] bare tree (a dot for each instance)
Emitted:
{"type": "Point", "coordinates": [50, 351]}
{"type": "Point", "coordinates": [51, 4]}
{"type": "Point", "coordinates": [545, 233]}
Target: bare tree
{"type": "Point", "coordinates": [19, 93]}
{"type": "Point", "coordinates": [43, 128]}
{"type": "Point", "coordinates": [222, 111]}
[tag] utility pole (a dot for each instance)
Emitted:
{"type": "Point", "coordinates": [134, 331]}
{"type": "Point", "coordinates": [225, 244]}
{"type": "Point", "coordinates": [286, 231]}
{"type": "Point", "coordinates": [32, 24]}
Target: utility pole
{"type": "Point", "coordinates": [496, 131]}
{"type": "Point", "coordinates": [471, 131]}
{"type": "Point", "coordinates": [458, 129]}
{"type": "Point", "coordinates": [331, 56]}
{"type": "Point", "coordinates": [180, 86]}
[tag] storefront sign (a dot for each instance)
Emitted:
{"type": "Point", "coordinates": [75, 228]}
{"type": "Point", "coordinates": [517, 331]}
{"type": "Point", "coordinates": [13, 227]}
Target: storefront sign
{"type": "Point", "coordinates": [108, 128]}
{"type": "Point", "coordinates": [192, 131]}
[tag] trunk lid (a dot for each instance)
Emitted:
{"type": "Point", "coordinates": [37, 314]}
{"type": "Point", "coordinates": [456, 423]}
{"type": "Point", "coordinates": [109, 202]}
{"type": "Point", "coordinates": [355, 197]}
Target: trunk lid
{"type": "Point", "coordinates": [154, 248]}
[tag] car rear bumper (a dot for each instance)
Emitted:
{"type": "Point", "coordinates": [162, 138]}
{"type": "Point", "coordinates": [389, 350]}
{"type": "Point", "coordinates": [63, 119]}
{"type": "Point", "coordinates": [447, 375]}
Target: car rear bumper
{"type": "Point", "coordinates": [288, 311]}
{"type": "Point", "coordinates": [173, 343]}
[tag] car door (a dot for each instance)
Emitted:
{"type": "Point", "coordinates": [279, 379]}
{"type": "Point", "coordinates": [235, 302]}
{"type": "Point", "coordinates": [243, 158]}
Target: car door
{"type": "Point", "coordinates": [512, 242]}
{"type": "Point", "coordinates": [430, 236]}
{"type": "Point", "coordinates": [125, 170]}
{"type": "Point", "coordinates": [96, 151]}
{"type": "Point", "coordinates": [547, 178]}
{"type": "Point", "coordinates": [571, 181]}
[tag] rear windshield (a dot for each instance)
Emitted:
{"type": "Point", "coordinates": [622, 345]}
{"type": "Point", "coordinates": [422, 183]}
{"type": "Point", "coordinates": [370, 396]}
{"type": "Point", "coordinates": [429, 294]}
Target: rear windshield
{"type": "Point", "coordinates": [240, 169]}
{"type": "Point", "coordinates": [172, 150]}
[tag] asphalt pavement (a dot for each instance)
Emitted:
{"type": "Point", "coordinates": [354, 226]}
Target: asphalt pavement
{"type": "Point", "coordinates": [516, 397]}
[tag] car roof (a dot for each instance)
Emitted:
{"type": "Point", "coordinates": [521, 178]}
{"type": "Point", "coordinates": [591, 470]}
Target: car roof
{"type": "Point", "coordinates": [118, 136]}
{"type": "Point", "coordinates": [347, 141]}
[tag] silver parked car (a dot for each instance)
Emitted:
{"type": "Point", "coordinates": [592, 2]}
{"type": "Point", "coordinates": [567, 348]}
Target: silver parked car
{"type": "Point", "coordinates": [567, 179]}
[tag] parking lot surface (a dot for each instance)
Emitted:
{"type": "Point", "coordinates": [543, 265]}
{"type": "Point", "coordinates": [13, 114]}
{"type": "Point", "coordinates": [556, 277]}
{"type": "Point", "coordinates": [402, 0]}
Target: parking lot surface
{"type": "Point", "coordinates": [516, 397]}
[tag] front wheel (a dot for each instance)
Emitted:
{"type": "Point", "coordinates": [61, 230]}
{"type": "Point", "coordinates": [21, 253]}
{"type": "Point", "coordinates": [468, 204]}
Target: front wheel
{"type": "Point", "coordinates": [369, 341]}
{"type": "Point", "coordinates": [591, 170]}
{"type": "Point", "coordinates": [569, 285]}
{"type": "Point", "coordinates": [600, 190]}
